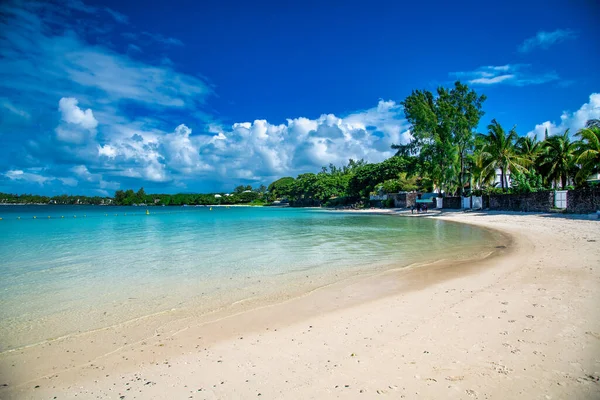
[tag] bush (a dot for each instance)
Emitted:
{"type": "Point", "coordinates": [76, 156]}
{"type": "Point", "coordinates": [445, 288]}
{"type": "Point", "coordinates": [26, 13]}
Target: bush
{"type": "Point", "coordinates": [496, 190]}
{"type": "Point", "coordinates": [527, 182]}
{"type": "Point", "coordinates": [389, 203]}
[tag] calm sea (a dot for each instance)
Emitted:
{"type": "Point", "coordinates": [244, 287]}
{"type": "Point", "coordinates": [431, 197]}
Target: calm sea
{"type": "Point", "coordinates": [73, 269]}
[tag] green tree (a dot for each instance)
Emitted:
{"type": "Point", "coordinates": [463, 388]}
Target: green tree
{"type": "Point", "coordinates": [140, 196]}
{"type": "Point", "coordinates": [304, 186]}
{"type": "Point", "coordinates": [588, 151]}
{"type": "Point", "coordinates": [526, 182]}
{"type": "Point", "coordinates": [480, 176]}
{"type": "Point", "coordinates": [443, 131]}
{"type": "Point", "coordinates": [402, 183]}
{"type": "Point", "coordinates": [557, 160]}
{"type": "Point", "coordinates": [461, 110]}
{"type": "Point", "coordinates": [281, 188]}
{"type": "Point", "coordinates": [528, 147]}
{"type": "Point", "coordinates": [119, 197]}
{"type": "Point", "coordinates": [499, 152]}
{"type": "Point", "coordinates": [239, 189]}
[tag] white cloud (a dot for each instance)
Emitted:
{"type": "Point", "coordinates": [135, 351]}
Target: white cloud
{"type": "Point", "coordinates": [491, 81]}
{"type": "Point", "coordinates": [261, 149]}
{"type": "Point", "coordinates": [68, 181]}
{"type": "Point", "coordinates": [572, 121]}
{"type": "Point", "coordinates": [544, 39]}
{"type": "Point", "coordinates": [169, 41]}
{"type": "Point", "coordinates": [82, 172]}
{"type": "Point", "coordinates": [72, 114]}
{"type": "Point", "coordinates": [17, 111]}
{"type": "Point", "coordinates": [78, 126]}
{"type": "Point", "coordinates": [107, 150]}
{"type": "Point", "coordinates": [120, 18]}
{"type": "Point", "coordinates": [510, 74]}
{"type": "Point", "coordinates": [35, 177]}
{"type": "Point", "coordinates": [181, 154]}
{"type": "Point", "coordinates": [25, 176]}
{"type": "Point", "coordinates": [256, 151]}
{"type": "Point", "coordinates": [47, 56]}
{"type": "Point", "coordinates": [31, 43]}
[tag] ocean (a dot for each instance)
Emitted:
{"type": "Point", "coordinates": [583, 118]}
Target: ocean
{"type": "Point", "coordinates": [72, 269]}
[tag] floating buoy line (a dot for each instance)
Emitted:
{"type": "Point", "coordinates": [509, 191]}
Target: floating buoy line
{"type": "Point", "coordinates": [109, 215]}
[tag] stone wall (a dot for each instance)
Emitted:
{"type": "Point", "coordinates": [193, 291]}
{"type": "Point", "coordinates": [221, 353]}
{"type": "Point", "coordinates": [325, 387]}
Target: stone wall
{"type": "Point", "coordinates": [583, 201]}
{"type": "Point", "coordinates": [453, 203]}
{"type": "Point", "coordinates": [538, 202]}
{"type": "Point", "coordinates": [404, 200]}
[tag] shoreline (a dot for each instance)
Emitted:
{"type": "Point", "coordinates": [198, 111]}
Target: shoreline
{"type": "Point", "coordinates": [192, 300]}
{"type": "Point", "coordinates": [340, 298]}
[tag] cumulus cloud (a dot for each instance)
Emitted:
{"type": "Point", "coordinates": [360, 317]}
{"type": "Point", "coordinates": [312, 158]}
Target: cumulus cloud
{"type": "Point", "coordinates": [510, 74]}
{"type": "Point", "coordinates": [25, 176]}
{"type": "Point", "coordinates": [77, 125]}
{"type": "Point", "coordinates": [122, 120]}
{"type": "Point", "coordinates": [83, 173]}
{"type": "Point", "coordinates": [570, 120]}
{"type": "Point", "coordinates": [544, 40]}
{"type": "Point", "coordinates": [37, 177]}
{"type": "Point", "coordinates": [72, 114]}
{"type": "Point", "coordinates": [257, 151]}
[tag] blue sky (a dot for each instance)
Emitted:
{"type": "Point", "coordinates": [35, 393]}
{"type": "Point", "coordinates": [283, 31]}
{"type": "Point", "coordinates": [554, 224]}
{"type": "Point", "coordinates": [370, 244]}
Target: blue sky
{"type": "Point", "coordinates": [202, 96]}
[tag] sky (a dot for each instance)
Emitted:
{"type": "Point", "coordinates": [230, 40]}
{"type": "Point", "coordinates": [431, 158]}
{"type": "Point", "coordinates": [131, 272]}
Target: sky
{"type": "Point", "coordinates": [193, 96]}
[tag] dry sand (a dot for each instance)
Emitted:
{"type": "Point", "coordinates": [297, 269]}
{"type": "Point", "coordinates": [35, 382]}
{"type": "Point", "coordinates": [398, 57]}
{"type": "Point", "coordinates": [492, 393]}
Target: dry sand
{"type": "Point", "coordinates": [523, 323]}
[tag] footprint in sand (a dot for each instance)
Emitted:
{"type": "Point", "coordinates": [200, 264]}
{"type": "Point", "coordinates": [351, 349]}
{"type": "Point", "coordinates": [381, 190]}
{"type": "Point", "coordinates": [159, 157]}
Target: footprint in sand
{"type": "Point", "coordinates": [593, 334]}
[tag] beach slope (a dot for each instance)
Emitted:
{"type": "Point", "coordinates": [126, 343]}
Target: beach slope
{"type": "Point", "coordinates": [523, 324]}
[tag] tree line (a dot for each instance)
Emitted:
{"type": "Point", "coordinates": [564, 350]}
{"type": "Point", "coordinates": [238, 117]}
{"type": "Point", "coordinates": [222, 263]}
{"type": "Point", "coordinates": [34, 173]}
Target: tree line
{"type": "Point", "coordinates": [243, 194]}
{"type": "Point", "coordinates": [448, 155]}
{"type": "Point", "coordinates": [8, 198]}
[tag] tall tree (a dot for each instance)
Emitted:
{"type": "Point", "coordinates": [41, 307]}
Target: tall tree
{"type": "Point", "coordinates": [442, 127]}
{"type": "Point", "coordinates": [499, 152]}
{"type": "Point", "coordinates": [461, 110]}
{"type": "Point", "coordinates": [589, 151]}
{"type": "Point", "coordinates": [140, 196]}
{"type": "Point", "coordinates": [557, 160]}
{"type": "Point", "coordinates": [528, 147]}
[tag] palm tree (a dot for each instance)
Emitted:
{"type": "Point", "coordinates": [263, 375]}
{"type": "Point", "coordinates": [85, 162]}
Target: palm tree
{"type": "Point", "coordinates": [593, 123]}
{"type": "Point", "coordinates": [589, 151]}
{"type": "Point", "coordinates": [476, 161]}
{"type": "Point", "coordinates": [499, 152]}
{"type": "Point", "coordinates": [528, 147]}
{"type": "Point", "coordinates": [557, 160]}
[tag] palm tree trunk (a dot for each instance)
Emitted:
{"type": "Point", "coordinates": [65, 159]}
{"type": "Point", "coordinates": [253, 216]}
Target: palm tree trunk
{"type": "Point", "coordinates": [502, 178]}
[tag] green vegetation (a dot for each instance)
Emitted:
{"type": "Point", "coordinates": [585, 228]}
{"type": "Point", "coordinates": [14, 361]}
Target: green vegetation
{"type": "Point", "coordinates": [445, 154]}
{"type": "Point", "coordinates": [7, 198]}
{"type": "Point", "coordinates": [241, 195]}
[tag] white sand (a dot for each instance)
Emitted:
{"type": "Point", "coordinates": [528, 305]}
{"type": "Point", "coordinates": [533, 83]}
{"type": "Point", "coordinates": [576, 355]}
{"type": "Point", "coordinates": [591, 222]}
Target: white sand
{"type": "Point", "coordinates": [523, 324]}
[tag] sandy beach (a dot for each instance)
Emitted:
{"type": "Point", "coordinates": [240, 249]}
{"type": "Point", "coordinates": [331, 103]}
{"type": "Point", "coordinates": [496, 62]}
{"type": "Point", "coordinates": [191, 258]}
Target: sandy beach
{"type": "Point", "coordinates": [520, 323]}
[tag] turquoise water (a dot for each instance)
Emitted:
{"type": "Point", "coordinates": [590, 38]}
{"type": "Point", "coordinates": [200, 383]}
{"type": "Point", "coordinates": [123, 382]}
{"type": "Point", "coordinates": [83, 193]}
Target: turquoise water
{"type": "Point", "coordinates": [87, 267]}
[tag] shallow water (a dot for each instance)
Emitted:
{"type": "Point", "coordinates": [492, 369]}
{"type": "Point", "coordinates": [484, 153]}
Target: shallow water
{"type": "Point", "coordinates": [88, 267]}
